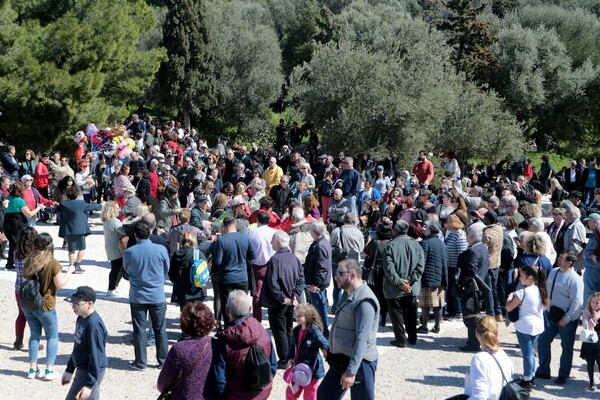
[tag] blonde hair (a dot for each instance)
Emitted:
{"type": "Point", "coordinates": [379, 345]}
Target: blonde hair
{"type": "Point", "coordinates": [184, 215]}
{"type": "Point", "coordinates": [188, 239]}
{"type": "Point", "coordinates": [109, 211]}
{"type": "Point", "coordinates": [454, 223]}
{"type": "Point", "coordinates": [533, 243]}
{"type": "Point", "coordinates": [487, 329]}
{"type": "Point", "coordinates": [596, 295]}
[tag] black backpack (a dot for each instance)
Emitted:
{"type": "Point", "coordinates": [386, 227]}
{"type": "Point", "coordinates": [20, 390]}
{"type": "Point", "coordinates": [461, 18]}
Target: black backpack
{"type": "Point", "coordinates": [30, 298]}
{"type": "Point", "coordinates": [257, 369]}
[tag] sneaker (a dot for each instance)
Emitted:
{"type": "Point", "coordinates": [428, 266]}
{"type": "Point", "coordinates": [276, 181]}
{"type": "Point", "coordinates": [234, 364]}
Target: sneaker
{"type": "Point", "coordinates": [592, 388]}
{"type": "Point", "coordinates": [435, 329]}
{"type": "Point", "coordinates": [133, 366]}
{"type": "Point", "coordinates": [530, 384]}
{"type": "Point", "coordinates": [112, 293]}
{"type": "Point", "coordinates": [78, 269]}
{"type": "Point", "coordinates": [32, 373]}
{"type": "Point", "coordinates": [397, 343]}
{"type": "Point", "coordinates": [50, 375]}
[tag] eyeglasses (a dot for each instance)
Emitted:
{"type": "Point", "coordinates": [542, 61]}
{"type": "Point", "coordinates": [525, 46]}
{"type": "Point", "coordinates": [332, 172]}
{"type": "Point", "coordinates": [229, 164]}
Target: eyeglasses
{"type": "Point", "coordinates": [29, 180]}
{"type": "Point", "coordinates": [340, 273]}
{"type": "Point", "coordinates": [78, 305]}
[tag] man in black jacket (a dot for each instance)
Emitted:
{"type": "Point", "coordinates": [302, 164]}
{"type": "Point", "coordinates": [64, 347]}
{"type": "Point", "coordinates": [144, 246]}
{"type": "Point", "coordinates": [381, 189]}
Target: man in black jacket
{"type": "Point", "coordinates": [283, 285]}
{"type": "Point", "coordinates": [317, 270]}
{"type": "Point", "coordinates": [473, 264]}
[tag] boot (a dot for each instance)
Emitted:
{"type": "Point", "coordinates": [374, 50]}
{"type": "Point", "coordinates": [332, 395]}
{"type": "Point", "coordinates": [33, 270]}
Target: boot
{"type": "Point", "coordinates": [18, 344]}
{"type": "Point", "coordinates": [78, 269]}
{"type": "Point", "coordinates": [4, 250]}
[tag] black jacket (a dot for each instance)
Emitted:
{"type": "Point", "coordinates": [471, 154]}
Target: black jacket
{"type": "Point", "coordinates": [179, 274]}
{"type": "Point", "coordinates": [317, 268]}
{"type": "Point", "coordinates": [473, 261]}
{"type": "Point", "coordinates": [280, 197]}
{"type": "Point", "coordinates": [284, 279]}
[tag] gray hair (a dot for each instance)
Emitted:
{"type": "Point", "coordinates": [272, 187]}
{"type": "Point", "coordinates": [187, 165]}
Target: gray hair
{"type": "Point", "coordinates": [476, 232]}
{"type": "Point", "coordinates": [282, 237]}
{"type": "Point", "coordinates": [307, 166]}
{"type": "Point", "coordinates": [142, 210]}
{"type": "Point", "coordinates": [150, 218]}
{"type": "Point", "coordinates": [349, 218]}
{"type": "Point", "coordinates": [239, 304]}
{"type": "Point", "coordinates": [338, 191]}
{"type": "Point", "coordinates": [297, 214]}
{"type": "Point", "coordinates": [538, 223]}
{"type": "Point", "coordinates": [318, 227]}
{"type": "Point", "coordinates": [349, 160]}
{"type": "Point", "coordinates": [401, 227]}
{"type": "Point", "coordinates": [575, 211]}
{"type": "Point", "coordinates": [433, 226]}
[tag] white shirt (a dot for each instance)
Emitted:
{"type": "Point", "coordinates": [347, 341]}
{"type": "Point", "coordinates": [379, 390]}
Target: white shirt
{"type": "Point", "coordinates": [261, 239]}
{"type": "Point", "coordinates": [531, 313]}
{"type": "Point", "coordinates": [484, 379]}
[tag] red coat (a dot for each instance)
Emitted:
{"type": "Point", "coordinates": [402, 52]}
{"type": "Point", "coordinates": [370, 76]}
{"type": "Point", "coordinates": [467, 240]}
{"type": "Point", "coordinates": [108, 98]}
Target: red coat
{"type": "Point", "coordinates": [41, 178]}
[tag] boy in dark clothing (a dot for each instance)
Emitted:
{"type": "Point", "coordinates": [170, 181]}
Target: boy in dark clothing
{"type": "Point", "coordinates": [89, 350]}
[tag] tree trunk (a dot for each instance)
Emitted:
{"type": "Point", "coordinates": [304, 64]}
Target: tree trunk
{"type": "Point", "coordinates": [186, 118]}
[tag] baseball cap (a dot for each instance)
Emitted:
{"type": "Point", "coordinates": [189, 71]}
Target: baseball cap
{"type": "Point", "coordinates": [479, 213]}
{"type": "Point", "coordinates": [322, 156]}
{"type": "Point", "coordinates": [82, 293]}
{"type": "Point", "coordinates": [201, 199]}
{"type": "Point", "coordinates": [129, 188]}
{"type": "Point", "coordinates": [594, 216]}
{"type": "Point", "coordinates": [380, 167]}
{"type": "Point", "coordinates": [491, 216]}
{"type": "Point", "coordinates": [576, 193]}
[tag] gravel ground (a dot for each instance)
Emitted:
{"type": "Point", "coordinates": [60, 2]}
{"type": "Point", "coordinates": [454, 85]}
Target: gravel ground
{"type": "Point", "coordinates": [433, 369]}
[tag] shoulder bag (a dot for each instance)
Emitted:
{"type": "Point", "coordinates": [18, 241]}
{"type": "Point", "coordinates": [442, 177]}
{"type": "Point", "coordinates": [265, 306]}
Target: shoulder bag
{"type": "Point", "coordinates": [339, 253]}
{"type": "Point", "coordinates": [511, 390]}
{"type": "Point", "coordinates": [369, 270]}
{"type": "Point", "coordinates": [555, 313]}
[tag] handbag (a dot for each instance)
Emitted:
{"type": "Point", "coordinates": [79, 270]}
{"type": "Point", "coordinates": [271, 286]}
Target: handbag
{"type": "Point", "coordinates": [338, 253]}
{"type": "Point", "coordinates": [588, 335]}
{"type": "Point", "coordinates": [167, 393]}
{"type": "Point", "coordinates": [513, 316]}
{"type": "Point", "coordinates": [512, 390]}
{"type": "Point", "coordinates": [369, 271]}
{"type": "Point", "coordinates": [555, 313]}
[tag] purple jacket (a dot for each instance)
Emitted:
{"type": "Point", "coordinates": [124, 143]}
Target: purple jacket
{"type": "Point", "coordinates": [180, 360]}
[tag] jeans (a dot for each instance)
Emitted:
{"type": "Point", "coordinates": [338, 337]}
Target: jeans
{"type": "Point", "coordinates": [363, 388]}
{"type": "Point", "coordinates": [80, 380]}
{"type": "Point", "coordinates": [281, 321]}
{"type": "Point", "coordinates": [139, 315]}
{"type": "Point", "coordinates": [351, 204]}
{"type": "Point", "coordinates": [588, 195]}
{"type": "Point", "coordinates": [491, 304]}
{"type": "Point", "coordinates": [567, 341]}
{"type": "Point", "coordinates": [319, 301]}
{"type": "Point", "coordinates": [224, 290]}
{"type": "Point", "coordinates": [403, 313]}
{"type": "Point", "coordinates": [591, 282]}
{"type": "Point", "coordinates": [526, 344]}
{"type": "Point", "coordinates": [38, 320]}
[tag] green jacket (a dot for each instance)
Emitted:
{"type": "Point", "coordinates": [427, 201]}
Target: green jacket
{"type": "Point", "coordinates": [404, 260]}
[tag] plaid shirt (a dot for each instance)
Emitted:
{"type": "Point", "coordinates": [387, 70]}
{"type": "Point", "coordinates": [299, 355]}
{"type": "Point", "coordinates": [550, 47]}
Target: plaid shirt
{"type": "Point", "coordinates": [19, 264]}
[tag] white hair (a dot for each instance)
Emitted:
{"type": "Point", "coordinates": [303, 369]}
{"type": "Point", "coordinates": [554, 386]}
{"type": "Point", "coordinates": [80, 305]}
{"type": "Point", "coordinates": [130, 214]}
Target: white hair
{"type": "Point", "coordinates": [298, 214]}
{"type": "Point", "coordinates": [318, 227]}
{"type": "Point", "coordinates": [239, 304]}
{"type": "Point", "coordinates": [282, 237]}
{"type": "Point", "coordinates": [476, 232]}
{"type": "Point", "coordinates": [538, 223]}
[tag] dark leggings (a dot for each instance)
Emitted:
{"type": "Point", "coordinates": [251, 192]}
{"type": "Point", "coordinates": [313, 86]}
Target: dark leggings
{"type": "Point", "coordinates": [116, 273]}
{"type": "Point", "coordinates": [590, 365]}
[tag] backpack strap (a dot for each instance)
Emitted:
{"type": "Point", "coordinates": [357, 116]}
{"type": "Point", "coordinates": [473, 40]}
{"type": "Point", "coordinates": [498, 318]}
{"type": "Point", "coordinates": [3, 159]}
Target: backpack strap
{"type": "Point", "coordinates": [500, 367]}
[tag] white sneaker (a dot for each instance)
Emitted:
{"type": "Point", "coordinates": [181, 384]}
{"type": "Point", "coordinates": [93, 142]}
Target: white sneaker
{"type": "Point", "coordinates": [32, 373]}
{"type": "Point", "coordinates": [112, 293]}
{"type": "Point", "coordinates": [50, 375]}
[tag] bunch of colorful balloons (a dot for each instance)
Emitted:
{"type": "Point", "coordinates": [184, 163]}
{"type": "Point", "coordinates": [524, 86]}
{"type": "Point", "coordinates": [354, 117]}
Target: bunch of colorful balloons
{"type": "Point", "coordinates": [107, 141]}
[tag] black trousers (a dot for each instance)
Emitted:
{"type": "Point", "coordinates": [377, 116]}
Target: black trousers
{"type": "Point", "coordinates": [281, 320]}
{"type": "Point", "coordinates": [224, 290]}
{"type": "Point", "coordinates": [116, 273]}
{"type": "Point", "coordinates": [403, 313]}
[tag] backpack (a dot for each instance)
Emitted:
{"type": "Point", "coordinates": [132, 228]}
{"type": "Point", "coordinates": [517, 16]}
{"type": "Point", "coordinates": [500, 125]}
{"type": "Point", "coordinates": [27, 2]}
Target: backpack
{"type": "Point", "coordinates": [511, 390]}
{"type": "Point", "coordinates": [30, 298]}
{"type": "Point", "coordinates": [257, 369]}
{"type": "Point", "coordinates": [199, 273]}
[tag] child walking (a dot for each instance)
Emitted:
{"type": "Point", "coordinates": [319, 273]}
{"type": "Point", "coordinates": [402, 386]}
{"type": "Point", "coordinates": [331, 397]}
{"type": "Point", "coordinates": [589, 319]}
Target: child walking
{"type": "Point", "coordinates": [590, 352]}
{"type": "Point", "coordinates": [308, 339]}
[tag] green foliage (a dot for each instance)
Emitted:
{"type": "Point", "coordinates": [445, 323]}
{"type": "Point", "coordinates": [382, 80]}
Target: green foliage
{"type": "Point", "coordinates": [535, 76]}
{"type": "Point", "coordinates": [75, 64]}
{"type": "Point", "coordinates": [247, 66]}
{"type": "Point", "coordinates": [187, 79]}
{"type": "Point", "coordinates": [470, 37]}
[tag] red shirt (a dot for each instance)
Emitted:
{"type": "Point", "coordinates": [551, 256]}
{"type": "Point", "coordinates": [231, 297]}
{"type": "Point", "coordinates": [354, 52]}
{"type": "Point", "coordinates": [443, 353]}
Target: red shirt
{"type": "Point", "coordinates": [154, 184]}
{"type": "Point", "coordinates": [424, 171]}
{"type": "Point", "coordinates": [41, 175]}
{"type": "Point", "coordinates": [275, 220]}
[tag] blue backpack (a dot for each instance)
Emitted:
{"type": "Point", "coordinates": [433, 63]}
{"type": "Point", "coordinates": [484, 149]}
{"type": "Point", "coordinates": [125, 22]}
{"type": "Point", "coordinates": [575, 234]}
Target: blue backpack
{"type": "Point", "coordinates": [199, 273]}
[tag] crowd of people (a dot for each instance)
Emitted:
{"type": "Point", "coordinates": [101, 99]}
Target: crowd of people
{"type": "Point", "coordinates": [272, 226]}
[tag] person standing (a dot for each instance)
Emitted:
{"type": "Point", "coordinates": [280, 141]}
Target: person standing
{"type": "Point", "coordinates": [403, 266]}
{"type": "Point", "coordinates": [317, 270]}
{"type": "Point", "coordinates": [284, 283]}
{"type": "Point", "coordinates": [472, 264]}
{"type": "Point", "coordinates": [352, 354]}
{"type": "Point", "coordinates": [88, 359]}
{"type": "Point", "coordinates": [350, 183]}
{"type": "Point", "coordinates": [493, 237]}
{"type": "Point", "coordinates": [230, 254]}
{"type": "Point", "coordinates": [261, 239]}
{"type": "Point", "coordinates": [566, 294]}
{"type": "Point", "coordinates": [147, 265]}
{"type": "Point", "coordinates": [349, 238]}
{"type": "Point", "coordinates": [113, 244]}
{"type": "Point", "coordinates": [424, 170]}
